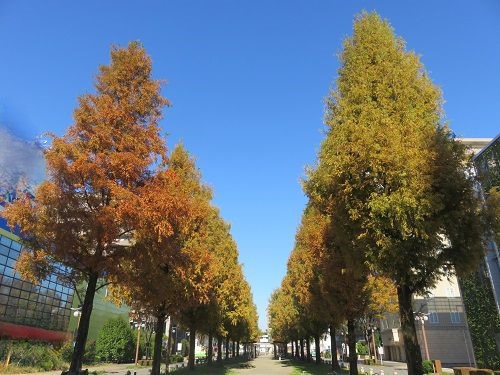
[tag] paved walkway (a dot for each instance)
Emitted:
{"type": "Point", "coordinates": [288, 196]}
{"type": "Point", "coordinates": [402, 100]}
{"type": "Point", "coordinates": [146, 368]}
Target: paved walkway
{"type": "Point", "coordinates": [263, 365]}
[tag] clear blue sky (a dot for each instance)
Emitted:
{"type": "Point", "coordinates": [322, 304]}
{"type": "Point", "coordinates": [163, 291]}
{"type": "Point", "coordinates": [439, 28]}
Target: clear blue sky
{"type": "Point", "coordinates": [247, 81]}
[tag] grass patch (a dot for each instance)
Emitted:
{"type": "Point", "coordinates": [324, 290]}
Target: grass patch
{"type": "Point", "coordinates": [311, 368]}
{"type": "Point", "coordinates": [136, 367]}
{"type": "Point", "coordinates": [14, 369]}
{"type": "Point", "coordinates": [227, 367]}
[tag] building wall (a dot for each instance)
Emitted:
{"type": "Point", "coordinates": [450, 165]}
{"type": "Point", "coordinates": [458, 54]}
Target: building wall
{"type": "Point", "coordinates": [30, 311]}
{"type": "Point", "coordinates": [446, 329]}
{"type": "Point", "coordinates": [102, 311]}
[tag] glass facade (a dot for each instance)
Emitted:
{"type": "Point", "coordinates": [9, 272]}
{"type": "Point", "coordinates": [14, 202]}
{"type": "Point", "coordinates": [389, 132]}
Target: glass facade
{"type": "Point", "coordinates": [487, 164]}
{"type": "Point", "coordinates": [47, 305]}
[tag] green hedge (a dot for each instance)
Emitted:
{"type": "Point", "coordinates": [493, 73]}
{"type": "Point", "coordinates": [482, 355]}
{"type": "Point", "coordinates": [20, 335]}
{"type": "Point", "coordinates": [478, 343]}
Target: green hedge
{"type": "Point", "coordinates": [115, 342]}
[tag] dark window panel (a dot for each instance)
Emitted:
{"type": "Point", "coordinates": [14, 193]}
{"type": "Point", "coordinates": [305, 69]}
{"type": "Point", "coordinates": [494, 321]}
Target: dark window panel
{"type": "Point", "coordinates": [10, 311]}
{"type": "Point", "coordinates": [27, 286]}
{"type": "Point", "coordinates": [7, 280]}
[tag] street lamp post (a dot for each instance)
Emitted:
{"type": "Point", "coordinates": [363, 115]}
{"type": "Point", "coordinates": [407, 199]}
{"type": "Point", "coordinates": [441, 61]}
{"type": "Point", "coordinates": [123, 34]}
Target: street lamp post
{"type": "Point", "coordinates": [422, 318]}
{"type": "Point", "coordinates": [373, 341]}
{"type": "Point", "coordinates": [138, 326]}
{"type": "Point", "coordinates": [174, 330]}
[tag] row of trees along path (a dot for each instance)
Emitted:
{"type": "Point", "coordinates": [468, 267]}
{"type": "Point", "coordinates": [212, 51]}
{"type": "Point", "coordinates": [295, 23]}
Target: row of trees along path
{"type": "Point", "coordinates": [391, 204]}
{"type": "Point", "coordinates": [119, 212]}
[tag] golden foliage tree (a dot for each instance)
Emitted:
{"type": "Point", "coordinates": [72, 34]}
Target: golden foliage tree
{"type": "Point", "coordinates": [390, 168]}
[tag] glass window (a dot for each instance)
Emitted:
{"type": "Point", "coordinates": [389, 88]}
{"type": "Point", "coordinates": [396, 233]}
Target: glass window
{"type": "Point", "coordinates": [5, 241]}
{"type": "Point", "coordinates": [9, 271]}
{"type": "Point", "coordinates": [16, 246]}
{"type": "Point", "coordinates": [433, 317]}
{"type": "Point", "coordinates": [455, 317]}
{"type": "Point", "coordinates": [3, 259]}
{"type": "Point", "coordinates": [10, 311]}
{"type": "Point", "coordinates": [25, 294]}
{"type": "Point", "coordinates": [11, 262]}
{"type": "Point", "coordinates": [27, 286]}
{"type": "Point", "coordinates": [3, 299]}
{"type": "Point", "coordinates": [4, 250]}
{"type": "Point", "coordinates": [6, 280]}
{"type": "Point", "coordinates": [15, 292]}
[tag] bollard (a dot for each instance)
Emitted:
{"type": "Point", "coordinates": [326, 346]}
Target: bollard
{"type": "Point", "coordinates": [395, 373]}
{"type": "Point", "coordinates": [381, 372]}
{"type": "Point", "coordinates": [371, 371]}
{"type": "Point", "coordinates": [362, 370]}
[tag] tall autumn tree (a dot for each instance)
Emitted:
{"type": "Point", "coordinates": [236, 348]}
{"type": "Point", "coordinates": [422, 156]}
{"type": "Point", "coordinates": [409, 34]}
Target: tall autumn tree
{"type": "Point", "coordinates": [392, 167]}
{"type": "Point", "coordinates": [95, 173]}
{"type": "Point", "coordinates": [304, 267]}
{"type": "Point", "coordinates": [171, 268]}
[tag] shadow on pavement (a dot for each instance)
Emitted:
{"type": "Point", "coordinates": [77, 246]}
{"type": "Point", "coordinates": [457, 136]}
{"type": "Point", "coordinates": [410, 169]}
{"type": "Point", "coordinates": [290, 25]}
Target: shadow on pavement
{"type": "Point", "coordinates": [215, 369]}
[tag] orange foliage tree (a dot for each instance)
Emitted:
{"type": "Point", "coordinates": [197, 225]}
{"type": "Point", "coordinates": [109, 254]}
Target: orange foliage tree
{"type": "Point", "coordinates": [171, 269]}
{"type": "Point", "coordinates": [84, 212]}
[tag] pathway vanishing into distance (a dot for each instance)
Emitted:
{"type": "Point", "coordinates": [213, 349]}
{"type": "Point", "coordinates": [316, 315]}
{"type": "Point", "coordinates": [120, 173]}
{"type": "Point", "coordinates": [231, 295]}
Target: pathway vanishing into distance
{"type": "Point", "coordinates": [263, 365]}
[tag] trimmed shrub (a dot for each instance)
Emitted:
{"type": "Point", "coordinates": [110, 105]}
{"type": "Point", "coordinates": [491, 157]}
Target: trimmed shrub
{"type": "Point", "coordinates": [361, 348]}
{"type": "Point", "coordinates": [176, 358]}
{"type": "Point", "coordinates": [427, 367]}
{"type": "Point", "coordinates": [115, 342]}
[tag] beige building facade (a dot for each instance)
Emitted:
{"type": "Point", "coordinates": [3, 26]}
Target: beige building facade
{"type": "Point", "coordinates": [446, 331]}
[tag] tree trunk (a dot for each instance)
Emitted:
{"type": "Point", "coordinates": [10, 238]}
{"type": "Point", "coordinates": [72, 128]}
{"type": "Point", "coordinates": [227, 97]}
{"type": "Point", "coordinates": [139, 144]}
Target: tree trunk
{"type": "Point", "coordinates": [297, 351]}
{"type": "Point", "coordinates": [210, 348]}
{"type": "Point", "coordinates": [302, 349]}
{"type": "Point", "coordinates": [353, 356]}
{"type": "Point", "coordinates": [169, 346]}
{"type": "Point", "coordinates": [412, 348]}
{"type": "Point", "coordinates": [192, 344]}
{"type": "Point", "coordinates": [317, 351]}
{"type": "Point", "coordinates": [237, 348]}
{"type": "Point", "coordinates": [227, 347]}
{"type": "Point", "coordinates": [285, 349]}
{"type": "Point", "coordinates": [333, 345]}
{"type": "Point", "coordinates": [219, 349]}
{"type": "Point", "coordinates": [233, 351]}
{"type": "Point", "coordinates": [292, 353]}
{"type": "Point", "coordinates": [83, 326]}
{"type": "Point", "coordinates": [274, 350]}
{"type": "Point", "coordinates": [159, 329]}
{"type": "Point", "coordinates": [308, 349]}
